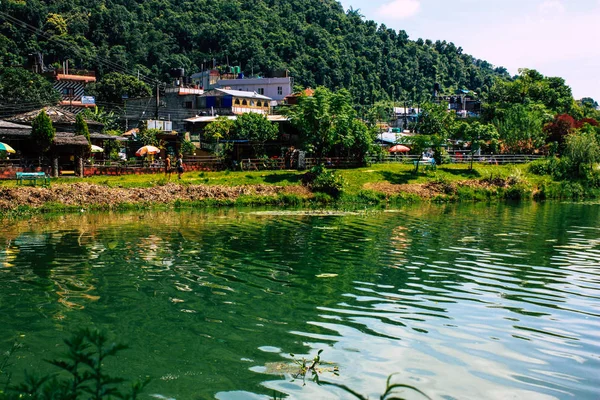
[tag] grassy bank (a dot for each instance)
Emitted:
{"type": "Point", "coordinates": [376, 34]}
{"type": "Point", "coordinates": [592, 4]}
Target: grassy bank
{"type": "Point", "coordinates": [374, 185]}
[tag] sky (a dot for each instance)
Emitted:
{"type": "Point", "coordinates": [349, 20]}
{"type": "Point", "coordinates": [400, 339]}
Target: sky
{"type": "Point", "coordinates": [555, 37]}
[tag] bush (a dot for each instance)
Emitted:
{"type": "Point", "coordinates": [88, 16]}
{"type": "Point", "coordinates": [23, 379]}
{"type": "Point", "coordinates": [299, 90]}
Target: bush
{"type": "Point", "coordinates": [319, 179]}
{"type": "Point", "coordinates": [557, 168]}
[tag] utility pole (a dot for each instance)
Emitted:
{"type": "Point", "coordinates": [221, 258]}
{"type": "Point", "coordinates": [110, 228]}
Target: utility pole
{"type": "Point", "coordinates": [157, 99]}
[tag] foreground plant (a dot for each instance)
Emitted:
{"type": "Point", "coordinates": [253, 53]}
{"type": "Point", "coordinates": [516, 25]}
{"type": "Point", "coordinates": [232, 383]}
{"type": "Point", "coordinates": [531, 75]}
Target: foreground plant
{"type": "Point", "coordinates": [85, 376]}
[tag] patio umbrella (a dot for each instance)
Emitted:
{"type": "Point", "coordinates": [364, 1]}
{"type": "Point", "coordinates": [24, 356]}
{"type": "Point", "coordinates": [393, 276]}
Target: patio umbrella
{"type": "Point", "coordinates": [399, 148]}
{"type": "Point", "coordinates": [6, 148]}
{"type": "Point", "coordinates": [142, 151]}
{"type": "Point", "coordinates": [96, 149]}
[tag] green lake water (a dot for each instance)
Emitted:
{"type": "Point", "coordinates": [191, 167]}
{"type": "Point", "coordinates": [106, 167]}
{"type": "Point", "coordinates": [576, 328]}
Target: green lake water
{"type": "Point", "coordinates": [461, 301]}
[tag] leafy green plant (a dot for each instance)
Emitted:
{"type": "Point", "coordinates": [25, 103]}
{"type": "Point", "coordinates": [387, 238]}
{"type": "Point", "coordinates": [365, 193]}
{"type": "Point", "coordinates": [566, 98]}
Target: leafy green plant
{"type": "Point", "coordinates": [42, 131]}
{"type": "Point", "coordinates": [319, 179]}
{"type": "Point", "coordinates": [81, 127]}
{"type": "Point", "coordinates": [84, 374]}
{"type": "Point", "coordinates": [187, 147]}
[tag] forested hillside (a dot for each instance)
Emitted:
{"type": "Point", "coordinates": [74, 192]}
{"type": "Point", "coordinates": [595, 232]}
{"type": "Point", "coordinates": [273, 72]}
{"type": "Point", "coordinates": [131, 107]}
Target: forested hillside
{"type": "Point", "coordinates": [319, 42]}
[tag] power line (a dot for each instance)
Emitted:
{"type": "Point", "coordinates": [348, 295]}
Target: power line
{"type": "Point", "coordinates": [119, 68]}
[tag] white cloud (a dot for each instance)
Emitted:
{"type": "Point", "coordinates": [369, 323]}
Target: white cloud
{"type": "Point", "coordinates": [552, 7]}
{"type": "Point", "coordinates": [399, 9]}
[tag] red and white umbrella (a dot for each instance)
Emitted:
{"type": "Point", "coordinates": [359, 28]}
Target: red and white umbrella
{"type": "Point", "coordinates": [399, 148]}
{"type": "Point", "coordinates": [142, 151]}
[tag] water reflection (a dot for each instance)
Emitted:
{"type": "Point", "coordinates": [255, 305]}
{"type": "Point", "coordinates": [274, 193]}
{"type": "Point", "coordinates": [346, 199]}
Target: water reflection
{"type": "Point", "coordinates": [470, 301]}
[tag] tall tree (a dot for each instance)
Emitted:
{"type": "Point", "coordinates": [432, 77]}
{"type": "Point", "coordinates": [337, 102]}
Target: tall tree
{"type": "Point", "coordinates": [81, 127]}
{"type": "Point", "coordinates": [42, 131]}
{"type": "Point", "coordinates": [328, 119]}
{"type": "Point", "coordinates": [24, 90]}
{"type": "Point", "coordinates": [257, 129]}
{"type": "Point", "coordinates": [112, 87]}
{"type": "Point", "coordinates": [521, 129]}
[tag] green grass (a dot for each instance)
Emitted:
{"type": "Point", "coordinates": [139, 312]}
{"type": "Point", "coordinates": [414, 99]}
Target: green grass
{"type": "Point", "coordinates": [528, 186]}
{"type": "Point", "coordinates": [356, 178]}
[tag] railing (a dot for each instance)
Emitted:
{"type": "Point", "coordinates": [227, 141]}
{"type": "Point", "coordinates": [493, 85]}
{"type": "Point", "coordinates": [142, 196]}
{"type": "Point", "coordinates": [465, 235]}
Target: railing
{"type": "Point", "coordinates": [334, 162]}
{"type": "Point", "coordinates": [496, 159]}
{"type": "Point", "coordinates": [460, 158]}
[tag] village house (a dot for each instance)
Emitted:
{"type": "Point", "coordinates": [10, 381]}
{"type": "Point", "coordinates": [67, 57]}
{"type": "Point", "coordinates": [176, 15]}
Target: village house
{"type": "Point", "coordinates": [276, 86]}
{"type": "Point", "coordinates": [71, 84]}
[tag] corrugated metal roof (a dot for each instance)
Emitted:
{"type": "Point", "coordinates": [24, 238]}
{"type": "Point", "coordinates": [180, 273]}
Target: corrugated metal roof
{"type": "Point", "coordinates": [241, 93]}
{"type": "Point", "coordinates": [272, 118]}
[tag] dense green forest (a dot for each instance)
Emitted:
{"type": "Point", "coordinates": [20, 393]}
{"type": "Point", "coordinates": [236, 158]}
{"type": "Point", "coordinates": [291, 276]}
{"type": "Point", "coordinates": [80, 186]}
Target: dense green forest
{"type": "Point", "coordinates": [319, 42]}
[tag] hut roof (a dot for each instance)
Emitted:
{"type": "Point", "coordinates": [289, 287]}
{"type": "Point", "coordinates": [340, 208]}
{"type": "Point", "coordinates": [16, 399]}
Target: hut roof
{"type": "Point", "coordinates": [11, 129]}
{"type": "Point", "coordinates": [107, 137]}
{"type": "Point", "coordinates": [56, 115]}
{"type": "Point", "coordinates": [10, 125]}
{"type": "Point", "coordinates": [69, 139]}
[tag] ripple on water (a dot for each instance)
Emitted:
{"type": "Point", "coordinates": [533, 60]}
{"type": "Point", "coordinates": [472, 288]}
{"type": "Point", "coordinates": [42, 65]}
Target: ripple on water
{"type": "Point", "coordinates": [464, 302]}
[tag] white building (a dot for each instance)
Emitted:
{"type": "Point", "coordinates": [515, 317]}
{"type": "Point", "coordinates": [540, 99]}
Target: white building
{"type": "Point", "coordinates": [275, 88]}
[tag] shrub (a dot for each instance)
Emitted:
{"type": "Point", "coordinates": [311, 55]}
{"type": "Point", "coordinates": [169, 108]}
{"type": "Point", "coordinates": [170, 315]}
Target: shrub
{"type": "Point", "coordinates": [318, 179]}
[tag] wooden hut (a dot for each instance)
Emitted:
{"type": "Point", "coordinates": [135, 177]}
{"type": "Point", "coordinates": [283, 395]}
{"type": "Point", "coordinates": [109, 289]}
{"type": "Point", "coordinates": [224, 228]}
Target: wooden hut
{"type": "Point", "coordinates": [68, 150]}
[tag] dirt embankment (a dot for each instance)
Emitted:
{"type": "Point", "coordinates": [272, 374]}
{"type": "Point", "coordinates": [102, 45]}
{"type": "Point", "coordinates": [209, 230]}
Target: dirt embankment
{"type": "Point", "coordinates": [432, 189]}
{"type": "Point", "coordinates": [85, 194]}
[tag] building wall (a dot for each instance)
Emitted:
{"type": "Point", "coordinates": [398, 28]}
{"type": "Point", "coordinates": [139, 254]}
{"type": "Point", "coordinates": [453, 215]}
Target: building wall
{"type": "Point", "coordinates": [172, 107]}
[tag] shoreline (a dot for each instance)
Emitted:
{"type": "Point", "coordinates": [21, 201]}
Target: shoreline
{"type": "Point", "coordinates": [23, 201]}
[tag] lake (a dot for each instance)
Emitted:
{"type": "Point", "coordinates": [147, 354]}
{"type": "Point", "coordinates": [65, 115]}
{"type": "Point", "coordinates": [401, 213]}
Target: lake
{"type": "Point", "coordinates": [470, 301]}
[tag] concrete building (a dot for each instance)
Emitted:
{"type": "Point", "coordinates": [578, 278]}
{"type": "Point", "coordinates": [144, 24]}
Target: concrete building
{"type": "Point", "coordinates": [277, 87]}
{"type": "Point", "coordinates": [233, 102]}
{"type": "Point", "coordinates": [176, 104]}
{"type": "Point", "coordinates": [71, 85]}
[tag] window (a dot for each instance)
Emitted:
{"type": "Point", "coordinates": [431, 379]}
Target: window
{"type": "Point", "coordinates": [70, 92]}
{"type": "Point", "coordinates": [252, 103]}
{"type": "Point", "coordinates": [237, 102]}
{"type": "Point", "coordinates": [188, 104]}
{"type": "Point", "coordinates": [258, 104]}
{"type": "Point", "coordinates": [279, 90]}
{"type": "Point", "coordinates": [244, 102]}
{"type": "Point", "coordinates": [261, 90]}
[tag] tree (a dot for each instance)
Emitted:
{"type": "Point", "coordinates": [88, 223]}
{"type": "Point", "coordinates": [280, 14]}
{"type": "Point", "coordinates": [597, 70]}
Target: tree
{"type": "Point", "coordinates": [478, 135]}
{"type": "Point", "coordinates": [528, 89]}
{"type": "Point", "coordinates": [114, 85]}
{"type": "Point", "coordinates": [108, 118]}
{"type": "Point", "coordinates": [25, 89]}
{"type": "Point", "coordinates": [359, 140]}
{"type": "Point", "coordinates": [582, 148]}
{"type": "Point", "coordinates": [257, 129]}
{"type": "Point", "coordinates": [589, 102]}
{"type": "Point", "coordinates": [559, 129]}
{"type": "Point", "coordinates": [42, 131]}
{"type": "Point", "coordinates": [220, 131]}
{"type": "Point", "coordinates": [81, 127]}
{"type": "Point", "coordinates": [418, 144]}
{"type": "Point", "coordinates": [187, 147]}
{"type": "Point", "coordinates": [436, 120]}
{"type": "Point", "coordinates": [521, 129]}
{"type": "Point", "coordinates": [149, 137]}
{"type": "Point", "coordinates": [325, 120]}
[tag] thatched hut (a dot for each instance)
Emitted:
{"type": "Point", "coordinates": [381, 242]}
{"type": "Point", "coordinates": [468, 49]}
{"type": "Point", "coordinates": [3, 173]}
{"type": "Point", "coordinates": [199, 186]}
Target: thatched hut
{"type": "Point", "coordinates": [68, 150]}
